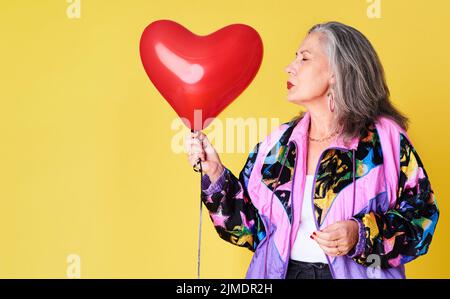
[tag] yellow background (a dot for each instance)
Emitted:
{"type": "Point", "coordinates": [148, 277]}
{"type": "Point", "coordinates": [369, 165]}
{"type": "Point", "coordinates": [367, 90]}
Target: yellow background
{"type": "Point", "coordinates": [85, 155]}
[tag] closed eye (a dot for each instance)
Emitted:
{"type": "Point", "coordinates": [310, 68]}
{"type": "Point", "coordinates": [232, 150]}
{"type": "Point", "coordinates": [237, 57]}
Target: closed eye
{"type": "Point", "coordinates": [304, 59]}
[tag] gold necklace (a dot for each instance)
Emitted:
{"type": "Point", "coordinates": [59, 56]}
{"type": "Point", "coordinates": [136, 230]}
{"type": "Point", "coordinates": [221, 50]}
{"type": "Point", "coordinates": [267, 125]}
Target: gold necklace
{"type": "Point", "coordinates": [322, 139]}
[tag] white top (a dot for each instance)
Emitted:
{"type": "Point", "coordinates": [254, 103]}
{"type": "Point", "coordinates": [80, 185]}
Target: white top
{"type": "Point", "coordinates": [306, 249]}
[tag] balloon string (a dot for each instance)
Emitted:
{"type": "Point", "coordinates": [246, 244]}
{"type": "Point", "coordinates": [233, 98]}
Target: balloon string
{"type": "Point", "coordinates": [198, 168]}
{"type": "Point", "coordinates": [199, 225]}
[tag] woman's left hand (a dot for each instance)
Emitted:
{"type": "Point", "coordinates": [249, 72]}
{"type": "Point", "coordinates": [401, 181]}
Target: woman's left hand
{"type": "Point", "coordinates": [338, 238]}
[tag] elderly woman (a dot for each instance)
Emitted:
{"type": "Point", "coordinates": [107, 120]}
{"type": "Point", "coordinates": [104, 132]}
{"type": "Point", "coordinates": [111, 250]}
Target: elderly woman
{"type": "Point", "coordinates": [337, 192]}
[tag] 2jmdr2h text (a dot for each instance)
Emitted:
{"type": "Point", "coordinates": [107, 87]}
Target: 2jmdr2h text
{"type": "Point", "coordinates": [225, 289]}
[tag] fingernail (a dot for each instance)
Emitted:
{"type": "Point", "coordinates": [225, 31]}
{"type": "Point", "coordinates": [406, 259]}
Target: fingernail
{"type": "Point", "coordinates": [314, 233]}
{"type": "Point", "coordinates": [311, 237]}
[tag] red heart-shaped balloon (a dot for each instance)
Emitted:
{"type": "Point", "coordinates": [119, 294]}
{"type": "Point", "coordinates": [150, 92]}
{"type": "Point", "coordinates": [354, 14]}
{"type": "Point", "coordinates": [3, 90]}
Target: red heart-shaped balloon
{"type": "Point", "coordinates": [200, 75]}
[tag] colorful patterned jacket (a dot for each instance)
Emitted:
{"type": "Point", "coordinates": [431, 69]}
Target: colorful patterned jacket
{"type": "Point", "coordinates": [377, 180]}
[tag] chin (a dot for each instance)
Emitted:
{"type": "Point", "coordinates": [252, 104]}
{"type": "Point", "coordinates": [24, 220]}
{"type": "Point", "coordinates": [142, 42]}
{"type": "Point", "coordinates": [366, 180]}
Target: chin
{"type": "Point", "coordinates": [294, 99]}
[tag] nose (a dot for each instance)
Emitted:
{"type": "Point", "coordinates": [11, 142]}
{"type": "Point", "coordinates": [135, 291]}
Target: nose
{"type": "Point", "coordinates": [290, 70]}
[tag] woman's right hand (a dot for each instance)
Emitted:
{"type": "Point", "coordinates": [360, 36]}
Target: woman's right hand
{"type": "Point", "coordinates": [199, 147]}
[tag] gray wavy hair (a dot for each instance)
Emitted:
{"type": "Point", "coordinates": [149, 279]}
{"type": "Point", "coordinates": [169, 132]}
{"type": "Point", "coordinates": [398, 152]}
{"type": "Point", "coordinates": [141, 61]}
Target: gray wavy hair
{"type": "Point", "coordinates": [360, 91]}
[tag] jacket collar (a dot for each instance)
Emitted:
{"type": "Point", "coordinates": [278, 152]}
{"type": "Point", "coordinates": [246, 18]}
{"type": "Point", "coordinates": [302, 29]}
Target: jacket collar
{"type": "Point", "coordinates": [302, 127]}
{"type": "Point", "coordinates": [283, 151]}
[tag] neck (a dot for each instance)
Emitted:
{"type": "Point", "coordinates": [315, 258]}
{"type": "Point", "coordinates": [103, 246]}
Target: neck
{"type": "Point", "coordinates": [321, 120]}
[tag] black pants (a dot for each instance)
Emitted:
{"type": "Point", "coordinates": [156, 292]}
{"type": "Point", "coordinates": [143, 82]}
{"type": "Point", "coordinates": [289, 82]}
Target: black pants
{"type": "Point", "coordinates": [304, 270]}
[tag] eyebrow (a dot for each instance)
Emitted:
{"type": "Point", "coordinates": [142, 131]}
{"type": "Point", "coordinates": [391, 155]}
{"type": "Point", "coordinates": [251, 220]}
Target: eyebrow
{"type": "Point", "coordinates": [296, 53]}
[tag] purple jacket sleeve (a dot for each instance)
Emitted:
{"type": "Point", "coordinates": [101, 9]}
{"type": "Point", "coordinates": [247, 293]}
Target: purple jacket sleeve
{"type": "Point", "coordinates": [208, 188]}
{"type": "Point", "coordinates": [359, 247]}
{"type": "Point", "coordinates": [404, 232]}
{"type": "Point", "coordinates": [235, 218]}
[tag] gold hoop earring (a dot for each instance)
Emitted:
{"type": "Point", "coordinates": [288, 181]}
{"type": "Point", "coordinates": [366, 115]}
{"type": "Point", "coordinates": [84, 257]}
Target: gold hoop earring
{"type": "Point", "coordinates": [331, 103]}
